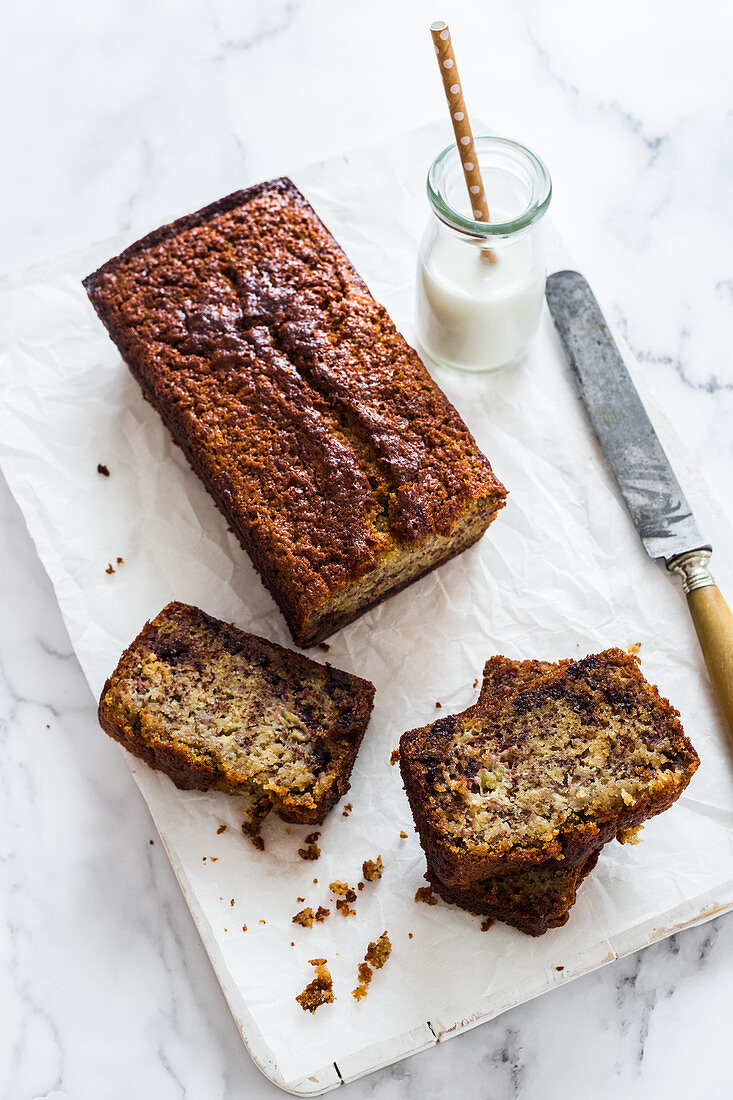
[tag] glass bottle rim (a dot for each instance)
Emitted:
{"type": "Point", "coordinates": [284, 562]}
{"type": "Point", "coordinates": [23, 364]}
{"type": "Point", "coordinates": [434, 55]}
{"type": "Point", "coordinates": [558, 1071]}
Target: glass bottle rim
{"type": "Point", "coordinates": [539, 199]}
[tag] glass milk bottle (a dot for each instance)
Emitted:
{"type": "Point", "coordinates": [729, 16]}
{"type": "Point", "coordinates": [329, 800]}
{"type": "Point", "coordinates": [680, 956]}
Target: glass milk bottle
{"type": "Point", "coordinates": [481, 285]}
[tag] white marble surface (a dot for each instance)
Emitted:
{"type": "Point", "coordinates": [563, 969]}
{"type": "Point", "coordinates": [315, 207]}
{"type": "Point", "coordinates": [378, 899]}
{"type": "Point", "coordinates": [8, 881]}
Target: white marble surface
{"type": "Point", "coordinates": [119, 116]}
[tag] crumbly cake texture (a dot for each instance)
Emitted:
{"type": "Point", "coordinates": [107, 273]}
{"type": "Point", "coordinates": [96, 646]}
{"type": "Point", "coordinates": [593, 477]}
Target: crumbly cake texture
{"type": "Point", "coordinates": [343, 469]}
{"type": "Point", "coordinates": [586, 751]}
{"type": "Point", "coordinates": [213, 706]}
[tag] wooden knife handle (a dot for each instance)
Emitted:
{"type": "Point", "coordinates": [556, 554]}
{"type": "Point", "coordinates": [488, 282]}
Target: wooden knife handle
{"type": "Point", "coordinates": [714, 625]}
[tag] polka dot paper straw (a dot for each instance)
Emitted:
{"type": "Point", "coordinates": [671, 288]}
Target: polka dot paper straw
{"type": "Point", "coordinates": [461, 125]}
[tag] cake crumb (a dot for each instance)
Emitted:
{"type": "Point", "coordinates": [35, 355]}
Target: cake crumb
{"type": "Point", "coordinates": [152, 842]}
{"type": "Point", "coordinates": [394, 757]}
{"type": "Point", "coordinates": [345, 895]}
{"type": "Point", "coordinates": [403, 834]}
{"type": "Point", "coordinates": [360, 885]}
{"type": "Point", "coordinates": [475, 682]}
{"type": "Point", "coordinates": [438, 706]}
{"type": "Point", "coordinates": [220, 830]}
{"type": "Point", "coordinates": [120, 561]}
{"type": "Point", "coordinates": [232, 902]}
{"type": "Point", "coordinates": [110, 568]}
{"type": "Point", "coordinates": [311, 849]}
{"type": "Point", "coordinates": [244, 927]}
{"type": "Point", "coordinates": [321, 914]}
{"type": "Point", "coordinates": [488, 923]}
{"type": "Point", "coordinates": [425, 894]}
{"type": "Point", "coordinates": [304, 918]}
{"type": "Point", "coordinates": [347, 810]}
{"type": "Point", "coordinates": [633, 648]}
{"type": "Point", "coordinates": [102, 469]}
{"type": "Point", "coordinates": [409, 935]}
{"type": "Point", "coordinates": [630, 836]}
{"type": "Point", "coordinates": [213, 858]}
{"type": "Point", "coordinates": [319, 991]}
{"type": "Point", "coordinates": [300, 900]}
{"type": "Point", "coordinates": [559, 968]}
{"type": "Point", "coordinates": [315, 881]}
{"type": "Point", "coordinates": [372, 869]}
{"type": "Point", "coordinates": [262, 921]}
{"type": "Point", "coordinates": [376, 956]}
{"type": "Point", "coordinates": [324, 646]}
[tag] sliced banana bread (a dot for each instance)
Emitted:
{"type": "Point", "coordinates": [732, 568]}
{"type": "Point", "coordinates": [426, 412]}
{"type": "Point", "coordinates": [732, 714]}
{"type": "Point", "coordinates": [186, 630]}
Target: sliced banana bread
{"type": "Point", "coordinates": [212, 706]}
{"type": "Point", "coordinates": [533, 901]}
{"type": "Point", "coordinates": [551, 771]}
{"type": "Point", "coordinates": [341, 466]}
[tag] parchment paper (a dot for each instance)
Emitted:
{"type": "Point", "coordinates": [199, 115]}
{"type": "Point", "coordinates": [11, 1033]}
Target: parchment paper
{"type": "Point", "coordinates": [561, 572]}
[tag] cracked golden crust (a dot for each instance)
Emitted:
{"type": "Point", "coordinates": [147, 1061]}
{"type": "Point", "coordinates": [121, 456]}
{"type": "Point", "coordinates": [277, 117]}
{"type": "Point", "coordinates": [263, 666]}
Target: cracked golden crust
{"type": "Point", "coordinates": [459, 861]}
{"type": "Point", "coordinates": [140, 731]}
{"type": "Point", "coordinates": [314, 425]}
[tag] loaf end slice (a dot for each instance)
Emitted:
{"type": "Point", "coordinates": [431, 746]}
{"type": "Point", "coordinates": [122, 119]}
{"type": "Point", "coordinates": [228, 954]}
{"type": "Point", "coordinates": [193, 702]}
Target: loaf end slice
{"type": "Point", "coordinates": [552, 771]}
{"type": "Point", "coordinates": [215, 707]}
{"type": "Point", "coordinates": [532, 901]}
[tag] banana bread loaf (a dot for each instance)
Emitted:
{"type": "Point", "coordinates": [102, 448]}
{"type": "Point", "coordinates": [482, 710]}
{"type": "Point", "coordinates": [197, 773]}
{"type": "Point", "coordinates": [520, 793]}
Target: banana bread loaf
{"type": "Point", "coordinates": [583, 753]}
{"type": "Point", "coordinates": [344, 471]}
{"type": "Point", "coordinates": [212, 706]}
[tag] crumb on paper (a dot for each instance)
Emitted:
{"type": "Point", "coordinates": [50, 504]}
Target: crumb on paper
{"type": "Point", "coordinates": [319, 991]}
{"type": "Point", "coordinates": [262, 921]}
{"type": "Point", "coordinates": [232, 902]}
{"type": "Point", "coordinates": [244, 927]}
{"type": "Point", "coordinates": [252, 823]}
{"type": "Point", "coordinates": [360, 886]}
{"type": "Point", "coordinates": [631, 836]}
{"type": "Point", "coordinates": [372, 869]}
{"type": "Point", "coordinates": [214, 860]}
{"type": "Point", "coordinates": [487, 923]}
{"type": "Point", "coordinates": [324, 646]}
{"type": "Point", "coordinates": [426, 895]}
{"type": "Point", "coordinates": [120, 561]}
{"type": "Point", "coordinates": [292, 943]}
{"type": "Point", "coordinates": [475, 682]}
{"type": "Point", "coordinates": [347, 810]}
{"type": "Point", "coordinates": [152, 842]}
{"type": "Point", "coordinates": [559, 968]}
{"type": "Point", "coordinates": [409, 935]}
{"type": "Point", "coordinates": [315, 881]}
{"type": "Point", "coordinates": [345, 895]}
{"type": "Point", "coordinates": [47, 726]}
{"type": "Point", "coordinates": [110, 568]}
{"type": "Point", "coordinates": [633, 648]}
{"type": "Point", "coordinates": [394, 757]}
{"type": "Point", "coordinates": [300, 900]}
{"type": "Point", "coordinates": [304, 918]}
{"type": "Point", "coordinates": [102, 469]}
{"type": "Point", "coordinates": [321, 914]}
{"type": "Point", "coordinates": [438, 706]}
{"type": "Point", "coordinates": [403, 834]}
{"type": "Point", "coordinates": [220, 830]}
{"type": "Point", "coordinates": [376, 956]}
{"type": "Point", "coordinates": [311, 849]}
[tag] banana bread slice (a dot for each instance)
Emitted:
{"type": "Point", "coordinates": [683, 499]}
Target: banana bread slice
{"type": "Point", "coordinates": [212, 706]}
{"type": "Point", "coordinates": [341, 466]}
{"type": "Point", "coordinates": [552, 771]}
{"type": "Point", "coordinates": [533, 901]}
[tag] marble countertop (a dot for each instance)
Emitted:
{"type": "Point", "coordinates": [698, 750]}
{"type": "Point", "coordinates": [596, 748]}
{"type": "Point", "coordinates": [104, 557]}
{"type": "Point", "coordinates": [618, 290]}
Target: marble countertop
{"type": "Point", "coordinates": [123, 115]}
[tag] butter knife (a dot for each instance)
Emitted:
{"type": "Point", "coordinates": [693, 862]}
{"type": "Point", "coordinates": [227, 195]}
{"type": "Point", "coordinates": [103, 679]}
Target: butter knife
{"type": "Point", "coordinates": [658, 506]}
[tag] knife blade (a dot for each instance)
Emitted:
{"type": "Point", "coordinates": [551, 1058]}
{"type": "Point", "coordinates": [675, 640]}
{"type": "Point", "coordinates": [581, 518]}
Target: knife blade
{"type": "Point", "coordinates": [658, 506]}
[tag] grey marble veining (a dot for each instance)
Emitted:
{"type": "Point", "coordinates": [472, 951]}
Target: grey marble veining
{"type": "Point", "coordinates": [123, 115]}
